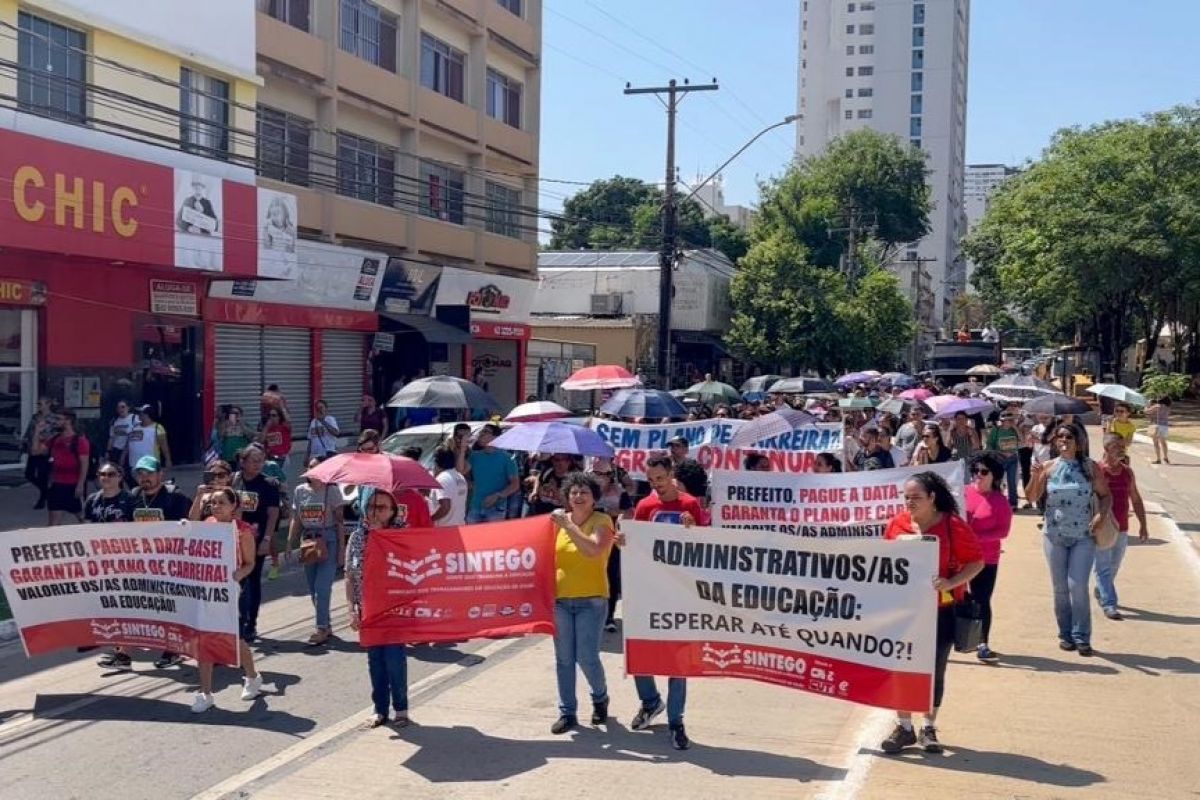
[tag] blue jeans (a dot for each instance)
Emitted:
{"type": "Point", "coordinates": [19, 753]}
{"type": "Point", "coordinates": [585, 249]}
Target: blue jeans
{"type": "Point", "coordinates": [496, 513]}
{"type": "Point", "coordinates": [1070, 561]}
{"type": "Point", "coordinates": [578, 622]}
{"type": "Point", "coordinates": [1108, 563]}
{"type": "Point", "coordinates": [320, 579]}
{"type": "Point", "coordinates": [1012, 465]}
{"type": "Point", "coordinates": [647, 691]}
{"type": "Point", "coordinates": [388, 665]}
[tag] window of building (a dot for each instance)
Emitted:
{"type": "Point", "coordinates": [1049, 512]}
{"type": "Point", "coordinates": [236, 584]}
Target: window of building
{"type": "Point", "coordinates": [503, 210]}
{"type": "Point", "coordinates": [849, 49]}
{"type": "Point", "coordinates": [918, 81]}
{"type": "Point", "coordinates": [503, 98]}
{"type": "Point", "coordinates": [915, 104]}
{"type": "Point", "coordinates": [866, 6]}
{"type": "Point", "coordinates": [369, 32]}
{"type": "Point", "coordinates": [866, 91]}
{"type": "Point", "coordinates": [918, 37]}
{"type": "Point", "coordinates": [203, 114]}
{"type": "Point", "coordinates": [513, 6]}
{"type": "Point", "coordinates": [914, 126]}
{"type": "Point", "coordinates": [293, 12]}
{"type": "Point", "coordinates": [283, 146]}
{"type": "Point", "coordinates": [866, 49]}
{"type": "Point", "coordinates": [918, 59]}
{"type": "Point", "coordinates": [915, 143]}
{"type": "Point", "coordinates": [866, 30]}
{"type": "Point", "coordinates": [849, 72]}
{"type": "Point", "coordinates": [918, 13]}
{"type": "Point", "coordinates": [441, 192]}
{"type": "Point", "coordinates": [51, 71]}
{"type": "Point", "coordinates": [849, 29]}
{"type": "Point", "coordinates": [366, 170]}
{"type": "Point", "coordinates": [442, 68]}
{"type": "Point", "coordinates": [849, 113]}
{"type": "Point", "coordinates": [864, 113]}
{"type": "Point", "coordinates": [911, 255]}
{"type": "Point", "coordinates": [849, 93]}
{"type": "Point", "coordinates": [850, 8]}
{"type": "Point", "coordinates": [866, 70]}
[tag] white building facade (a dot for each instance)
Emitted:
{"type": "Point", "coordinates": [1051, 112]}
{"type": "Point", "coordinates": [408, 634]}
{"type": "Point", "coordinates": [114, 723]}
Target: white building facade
{"type": "Point", "coordinates": [981, 181]}
{"type": "Point", "coordinates": [898, 67]}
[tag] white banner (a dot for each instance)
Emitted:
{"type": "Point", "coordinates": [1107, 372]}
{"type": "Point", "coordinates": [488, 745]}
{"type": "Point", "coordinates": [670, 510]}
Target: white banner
{"type": "Point", "coordinates": [709, 442]}
{"type": "Point", "coordinates": [853, 619]}
{"type": "Point", "coordinates": [159, 585]}
{"type": "Point", "coordinates": [811, 504]}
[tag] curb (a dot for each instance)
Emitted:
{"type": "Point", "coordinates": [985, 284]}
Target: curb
{"type": "Point", "coordinates": [1186, 449]}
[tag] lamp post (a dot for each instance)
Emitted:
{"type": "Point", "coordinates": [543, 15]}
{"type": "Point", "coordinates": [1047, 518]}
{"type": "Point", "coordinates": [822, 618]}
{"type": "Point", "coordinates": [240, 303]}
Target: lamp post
{"type": "Point", "coordinates": [788, 120]}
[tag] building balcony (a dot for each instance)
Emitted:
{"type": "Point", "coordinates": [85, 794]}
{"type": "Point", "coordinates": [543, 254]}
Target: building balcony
{"type": "Point", "coordinates": [282, 43]}
{"type": "Point", "coordinates": [510, 141]}
{"type": "Point", "coordinates": [449, 115]}
{"type": "Point", "coordinates": [444, 238]}
{"type": "Point", "coordinates": [513, 28]}
{"type": "Point", "coordinates": [359, 219]}
{"type": "Point", "coordinates": [364, 79]}
{"type": "Point", "coordinates": [504, 251]}
{"type": "Point", "coordinates": [472, 9]}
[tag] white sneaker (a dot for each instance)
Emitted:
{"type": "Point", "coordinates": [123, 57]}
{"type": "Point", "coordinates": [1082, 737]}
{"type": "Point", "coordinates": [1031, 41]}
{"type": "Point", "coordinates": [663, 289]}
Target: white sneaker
{"type": "Point", "coordinates": [251, 687]}
{"type": "Point", "coordinates": [202, 702]}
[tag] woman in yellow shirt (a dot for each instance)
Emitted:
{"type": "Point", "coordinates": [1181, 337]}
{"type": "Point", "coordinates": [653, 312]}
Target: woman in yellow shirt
{"type": "Point", "coordinates": [1121, 424]}
{"type": "Point", "coordinates": [583, 537]}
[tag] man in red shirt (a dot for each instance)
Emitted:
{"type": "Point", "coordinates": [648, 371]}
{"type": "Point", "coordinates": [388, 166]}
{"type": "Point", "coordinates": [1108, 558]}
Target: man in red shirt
{"type": "Point", "coordinates": [666, 504]}
{"type": "Point", "coordinates": [70, 453]}
{"type": "Point", "coordinates": [412, 509]}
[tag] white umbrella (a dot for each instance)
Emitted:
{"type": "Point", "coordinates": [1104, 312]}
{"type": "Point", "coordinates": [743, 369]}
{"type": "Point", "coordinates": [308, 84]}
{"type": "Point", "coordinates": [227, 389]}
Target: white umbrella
{"type": "Point", "coordinates": [985, 369]}
{"type": "Point", "coordinates": [1118, 392]}
{"type": "Point", "coordinates": [538, 411]}
{"type": "Point", "coordinates": [768, 426]}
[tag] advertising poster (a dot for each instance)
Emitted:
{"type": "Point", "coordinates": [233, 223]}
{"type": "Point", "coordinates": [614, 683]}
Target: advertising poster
{"type": "Point", "coordinates": [199, 235]}
{"type": "Point", "coordinates": [277, 221]}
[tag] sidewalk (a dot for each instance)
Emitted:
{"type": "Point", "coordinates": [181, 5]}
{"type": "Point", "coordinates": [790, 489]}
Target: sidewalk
{"type": "Point", "coordinates": [1041, 724]}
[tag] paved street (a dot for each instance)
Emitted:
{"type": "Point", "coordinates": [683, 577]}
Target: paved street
{"type": "Point", "coordinates": [1027, 728]}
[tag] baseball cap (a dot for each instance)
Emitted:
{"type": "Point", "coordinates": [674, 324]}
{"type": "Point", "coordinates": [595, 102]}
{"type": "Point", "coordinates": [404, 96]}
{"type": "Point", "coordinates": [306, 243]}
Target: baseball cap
{"type": "Point", "coordinates": [678, 440]}
{"type": "Point", "coordinates": [145, 408]}
{"type": "Point", "coordinates": [147, 464]}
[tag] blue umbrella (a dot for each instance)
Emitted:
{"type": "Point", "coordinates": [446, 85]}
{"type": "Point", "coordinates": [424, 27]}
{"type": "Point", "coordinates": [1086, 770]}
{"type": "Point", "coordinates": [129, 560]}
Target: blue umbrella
{"type": "Point", "coordinates": [898, 379]}
{"type": "Point", "coordinates": [651, 403]}
{"type": "Point", "coordinates": [855, 377]}
{"type": "Point", "coordinates": [553, 437]}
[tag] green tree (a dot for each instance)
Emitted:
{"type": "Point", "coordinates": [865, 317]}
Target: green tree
{"type": "Point", "coordinates": [877, 319]}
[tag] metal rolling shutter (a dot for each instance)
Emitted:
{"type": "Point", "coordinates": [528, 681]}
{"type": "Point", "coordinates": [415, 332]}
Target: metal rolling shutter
{"type": "Point", "coordinates": [239, 368]}
{"type": "Point", "coordinates": [287, 361]}
{"type": "Point", "coordinates": [342, 376]}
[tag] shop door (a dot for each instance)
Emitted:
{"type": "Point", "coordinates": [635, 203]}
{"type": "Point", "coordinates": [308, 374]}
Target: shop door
{"type": "Point", "coordinates": [342, 377]}
{"type": "Point", "coordinates": [287, 361]}
{"type": "Point", "coordinates": [18, 380]}
{"type": "Point", "coordinates": [170, 358]}
{"type": "Point", "coordinates": [238, 369]}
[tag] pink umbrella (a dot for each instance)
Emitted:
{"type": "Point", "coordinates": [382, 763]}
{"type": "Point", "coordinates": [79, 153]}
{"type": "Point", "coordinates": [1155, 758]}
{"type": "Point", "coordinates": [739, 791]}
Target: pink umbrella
{"type": "Point", "coordinates": [377, 470]}
{"type": "Point", "coordinates": [601, 376]}
{"type": "Point", "coordinates": [538, 411]}
{"type": "Point", "coordinates": [919, 395]}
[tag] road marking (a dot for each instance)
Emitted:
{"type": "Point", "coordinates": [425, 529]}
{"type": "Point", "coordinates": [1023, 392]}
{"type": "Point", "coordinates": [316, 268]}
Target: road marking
{"type": "Point", "coordinates": [236, 782]}
{"type": "Point", "coordinates": [1190, 553]}
{"type": "Point", "coordinates": [875, 727]}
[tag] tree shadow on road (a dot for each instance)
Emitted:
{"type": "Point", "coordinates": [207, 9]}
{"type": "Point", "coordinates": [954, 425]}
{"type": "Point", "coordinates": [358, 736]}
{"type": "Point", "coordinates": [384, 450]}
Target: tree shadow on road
{"type": "Point", "coordinates": [1006, 765]}
{"type": "Point", "coordinates": [440, 757]}
{"type": "Point", "coordinates": [1143, 615]}
{"type": "Point", "coordinates": [1042, 664]}
{"type": "Point", "coordinates": [257, 714]}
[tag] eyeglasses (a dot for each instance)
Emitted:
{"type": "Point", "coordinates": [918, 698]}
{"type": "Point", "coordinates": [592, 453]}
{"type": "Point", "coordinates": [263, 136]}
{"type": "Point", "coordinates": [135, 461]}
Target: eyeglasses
{"type": "Point", "coordinates": [221, 474]}
{"type": "Point", "coordinates": [981, 471]}
{"type": "Point", "coordinates": [108, 473]}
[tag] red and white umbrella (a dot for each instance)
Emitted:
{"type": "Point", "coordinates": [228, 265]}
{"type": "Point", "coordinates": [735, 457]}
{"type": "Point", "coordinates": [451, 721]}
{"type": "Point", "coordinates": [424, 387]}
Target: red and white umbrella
{"type": "Point", "coordinates": [377, 470]}
{"type": "Point", "coordinates": [539, 411]}
{"type": "Point", "coordinates": [601, 376]}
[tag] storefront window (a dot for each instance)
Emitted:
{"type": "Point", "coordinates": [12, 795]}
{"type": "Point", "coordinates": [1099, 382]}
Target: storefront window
{"type": "Point", "coordinates": [18, 379]}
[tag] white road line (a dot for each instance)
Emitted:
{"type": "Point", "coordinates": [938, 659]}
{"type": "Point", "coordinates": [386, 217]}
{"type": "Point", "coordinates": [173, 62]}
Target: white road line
{"type": "Point", "coordinates": [875, 727]}
{"type": "Point", "coordinates": [300, 749]}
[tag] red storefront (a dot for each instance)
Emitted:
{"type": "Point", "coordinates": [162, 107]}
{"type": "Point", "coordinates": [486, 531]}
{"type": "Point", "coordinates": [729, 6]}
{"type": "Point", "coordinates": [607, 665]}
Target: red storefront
{"type": "Point", "coordinates": [117, 254]}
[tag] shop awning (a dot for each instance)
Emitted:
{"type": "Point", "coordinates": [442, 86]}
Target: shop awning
{"type": "Point", "coordinates": [434, 330]}
{"type": "Point", "coordinates": [700, 338]}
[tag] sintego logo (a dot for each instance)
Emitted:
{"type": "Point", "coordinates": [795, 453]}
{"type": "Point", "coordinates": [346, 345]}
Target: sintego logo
{"type": "Point", "coordinates": [106, 630]}
{"type": "Point", "coordinates": [501, 560]}
{"type": "Point", "coordinates": [773, 662]}
{"type": "Point", "coordinates": [415, 570]}
{"type": "Point", "coordinates": [720, 658]}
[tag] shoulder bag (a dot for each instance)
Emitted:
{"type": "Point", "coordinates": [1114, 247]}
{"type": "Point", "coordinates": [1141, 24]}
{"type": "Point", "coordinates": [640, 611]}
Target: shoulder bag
{"type": "Point", "coordinates": [1105, 534]}
{"type": "Point", "coordinates": [968, 614]}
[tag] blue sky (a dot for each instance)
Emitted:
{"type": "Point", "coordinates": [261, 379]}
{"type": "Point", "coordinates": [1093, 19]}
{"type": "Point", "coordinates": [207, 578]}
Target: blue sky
{"type": "Point", "coordinates": [1035, 66]}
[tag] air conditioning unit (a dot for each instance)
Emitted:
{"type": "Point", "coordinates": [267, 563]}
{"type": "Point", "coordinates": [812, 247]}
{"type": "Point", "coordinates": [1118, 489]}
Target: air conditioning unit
{"type": "Point", "coordinates": [607, 304]}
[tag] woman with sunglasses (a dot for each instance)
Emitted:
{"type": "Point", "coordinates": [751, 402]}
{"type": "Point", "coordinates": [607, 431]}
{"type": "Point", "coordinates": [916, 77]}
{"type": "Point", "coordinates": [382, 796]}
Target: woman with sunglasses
{"type": "Point", "coordinates": [218, 476]}
{"type": "Point", "coordinates": [932, 448]}
{"type": "Point", "coordinates": [990, 516]}
{"type": "Point", "coordinates": [276, 437]}
{"type": "Point", "coordinates": [112, 503]}
{"type": "Point", "coordinates": [1068, 483]}
{"type": "Point", "coordinates": [317, 515]}
{"type": "Point", "coordinates": [224, 504]}
{"type": "Point", "coordinates": [616, 500]}
{"type": "Point", "coordinates": [387, 664]}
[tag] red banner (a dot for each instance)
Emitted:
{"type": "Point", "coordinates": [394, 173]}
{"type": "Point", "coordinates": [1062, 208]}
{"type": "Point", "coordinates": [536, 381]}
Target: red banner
{"type": "Point", "coordinates": [453, 584]}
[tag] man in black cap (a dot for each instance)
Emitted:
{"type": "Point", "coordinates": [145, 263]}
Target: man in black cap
{"type": "Point", "coordinates": [678, 448]}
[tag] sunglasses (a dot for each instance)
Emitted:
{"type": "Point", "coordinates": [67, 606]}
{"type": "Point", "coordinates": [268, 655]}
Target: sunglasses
{"type": "Point", "coordinates": [605, 474]}
{"type": "Point", "coordinates": [108, 473]}
{"type": "Point", "coordinates": [981, 471]}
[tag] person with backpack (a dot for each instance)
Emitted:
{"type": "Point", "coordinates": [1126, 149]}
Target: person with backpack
{"type": "Point", "coordinates": [70, 454]}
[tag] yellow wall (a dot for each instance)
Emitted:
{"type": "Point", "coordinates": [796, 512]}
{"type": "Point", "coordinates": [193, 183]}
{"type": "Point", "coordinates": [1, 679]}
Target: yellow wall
{"type": "Point", "coordinates": [613, 345]}
{"type": "Point", "coordinates": [8, 47]}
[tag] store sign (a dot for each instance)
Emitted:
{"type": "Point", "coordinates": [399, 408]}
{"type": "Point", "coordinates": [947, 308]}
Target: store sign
{"type": "Point", "coordinates": [327, 276]}
{"type": "Point", "coordinates": [20, 292]}
{"type": "Point", "coordinates": [499, 330]}
{"type": "Point", "coordinates": [491, 298]}
{"type": "Point", "coordinates": [62, 198]}
{"type": "Point", "coordinates": [408, 287]}
{"type": "Point", "coordinates": [384, 342]}
{"type": "Point", "coordinates": [174, 297]}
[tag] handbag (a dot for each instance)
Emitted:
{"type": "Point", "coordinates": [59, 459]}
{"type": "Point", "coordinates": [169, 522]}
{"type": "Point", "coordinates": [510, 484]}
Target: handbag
{"type": "Point", "coordinates": [313, 550]}
{"type": "Point", "coordinates": [968, 613]}
{"type": "Point", "coordinates": [1107, 531]}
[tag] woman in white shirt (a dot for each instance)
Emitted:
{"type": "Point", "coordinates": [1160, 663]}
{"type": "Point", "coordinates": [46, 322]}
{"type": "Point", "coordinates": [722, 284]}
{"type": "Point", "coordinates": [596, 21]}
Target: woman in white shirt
{"type": "Point", "coordinates": [323, 433]}
{"type": "Point", "coordinates": [118, 432]}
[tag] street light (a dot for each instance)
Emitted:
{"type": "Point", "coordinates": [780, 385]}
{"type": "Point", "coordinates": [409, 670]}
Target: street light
{"type": "Point", "coordinates": [788, 120]}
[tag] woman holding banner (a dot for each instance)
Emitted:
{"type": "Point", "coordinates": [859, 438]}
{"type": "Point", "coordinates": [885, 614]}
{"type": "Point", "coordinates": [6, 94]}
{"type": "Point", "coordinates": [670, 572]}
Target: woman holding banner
{"type": "Point", "coordinates": [990, 516]}
{"type": "Point", "coordinates": [583, 538]}
{"type": "Point", "coordinates": [386, 663]}
{"type": "Point", "coordinates": [224, 504]}
{"type": "Point", "coordinates": [931, 510]}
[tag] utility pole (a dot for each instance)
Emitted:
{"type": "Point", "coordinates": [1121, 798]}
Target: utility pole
{"type": "Point", "coordinates": [918, 269]}
{"type": "Point", "coordinates": [666, 261]}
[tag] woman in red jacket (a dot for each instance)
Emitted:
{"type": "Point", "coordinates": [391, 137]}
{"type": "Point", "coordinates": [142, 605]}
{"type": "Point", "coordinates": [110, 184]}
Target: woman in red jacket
{"type": "Point", "coordinates": [933, 511]}
{"type": "Point", "coordinates": [990, 517]}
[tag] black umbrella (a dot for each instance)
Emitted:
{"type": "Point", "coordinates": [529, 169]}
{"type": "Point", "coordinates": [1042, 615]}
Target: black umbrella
{"type": "Point", "coordinates": [443, 391]}
{"type": "Point", "coordinates": [1056, 404]}
{"type": "Point", "coordinates": [807, 385]}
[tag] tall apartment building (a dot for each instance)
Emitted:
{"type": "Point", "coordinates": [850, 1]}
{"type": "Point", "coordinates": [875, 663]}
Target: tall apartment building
{"type": "Point", "coordinates": [898, 67]}
{"type": "Point", "coordinates": [411, 127]}
{"type": "Point", "coordinates": [981, 181]}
